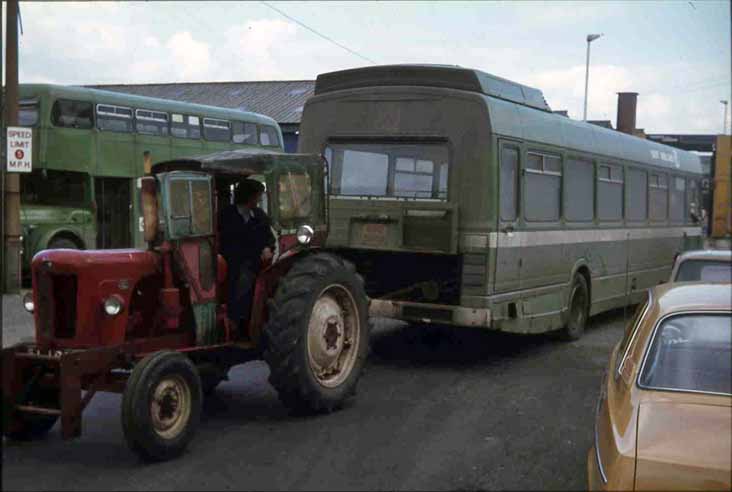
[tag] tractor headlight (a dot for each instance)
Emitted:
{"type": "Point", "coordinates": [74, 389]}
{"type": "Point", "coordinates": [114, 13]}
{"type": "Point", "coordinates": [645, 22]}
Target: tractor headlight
{"type": "Point", "coordinates": [28, 302]}
{"type": "Point", "coordinates": [305, 234]}
{"type": "Point", "coordinates": [113, 305]}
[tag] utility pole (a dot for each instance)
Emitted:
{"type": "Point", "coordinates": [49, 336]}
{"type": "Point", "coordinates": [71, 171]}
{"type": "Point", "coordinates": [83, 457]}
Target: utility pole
{"type": "Point", "coordinates": [12, 230]}
{"type": "Point", "coordinates": [590, 38]}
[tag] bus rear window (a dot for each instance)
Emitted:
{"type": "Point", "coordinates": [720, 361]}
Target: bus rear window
{"type": "Point", "coordinates": [28, 113]}
{"type": "Point", "coordinates": [389, 170]}
{"type": "Point", "coordinates": [72, 114]}
{"type": "Point", "coordinates": [55, 189]}
{"type": "Point", "coordinates": [690, 352]}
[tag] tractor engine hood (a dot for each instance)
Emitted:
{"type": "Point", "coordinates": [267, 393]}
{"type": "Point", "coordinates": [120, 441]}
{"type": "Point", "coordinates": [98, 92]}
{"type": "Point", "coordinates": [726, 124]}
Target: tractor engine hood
{"type": "Point", "coordinates": [70, 288]}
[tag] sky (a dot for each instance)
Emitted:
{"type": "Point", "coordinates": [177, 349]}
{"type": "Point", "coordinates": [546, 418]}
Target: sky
{"type": "Point", "coordinates": [675, 54]}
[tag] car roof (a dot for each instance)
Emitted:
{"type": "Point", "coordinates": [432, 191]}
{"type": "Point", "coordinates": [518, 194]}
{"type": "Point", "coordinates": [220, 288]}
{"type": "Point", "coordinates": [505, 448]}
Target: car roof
{"type": "Point", "coordinates": [689, 296]}
{"type": "Point", "coordinates": [240, 162]}
{"type": "Point", "coordinates": [706, 254]}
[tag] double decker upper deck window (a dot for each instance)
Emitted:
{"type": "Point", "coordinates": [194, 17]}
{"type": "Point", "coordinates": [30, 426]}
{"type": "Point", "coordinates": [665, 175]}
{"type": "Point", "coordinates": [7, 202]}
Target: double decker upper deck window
{"type": "Point", "coordinates": [114, 118]}
{"type": "Point", "coordinates": [72, 114]}
{"type": "Point", "coordinates": [216, 130]}
{"type": "Point", "coordinates": [150, 122]}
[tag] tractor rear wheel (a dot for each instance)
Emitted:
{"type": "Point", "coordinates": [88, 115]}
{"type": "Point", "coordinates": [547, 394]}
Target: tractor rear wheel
{"type": "Point", "coordinates": [161, 406]}
{"type": "Point", "coordinates": [317, 336]}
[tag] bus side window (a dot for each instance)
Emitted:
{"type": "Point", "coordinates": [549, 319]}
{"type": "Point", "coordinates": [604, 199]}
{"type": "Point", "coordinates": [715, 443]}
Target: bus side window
{"type": "Point", "coordinates": [677, 199]}
{"type": "Point", "coordinates": [268, 136]}
{"type": "Point", "coordinates": [149, 122]}
{"type": "Point", "coordinates": [244, 133]}
{"type": "Point", "coordinates": [72, 114]}
{"type": "Point", "coordinates": [610, 192]}
{"type": "Point", "coordinates": [637, 195]}
{"type": "Point", "coordinates": [542, 187]}
{"type": "Point", "coordinates": [658, 197]}
{"type": "Point", "coordinates": [509, 182]}
{"type": "Point", "coordinates": [216, 130]}
{"type": "Point", "coordinates": [114, 118]}
{"type": "Point", "coordinates": [579, 194]}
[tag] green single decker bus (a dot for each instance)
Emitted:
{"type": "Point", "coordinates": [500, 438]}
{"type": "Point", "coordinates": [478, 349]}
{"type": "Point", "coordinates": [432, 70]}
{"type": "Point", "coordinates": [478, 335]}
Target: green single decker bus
{"type": "Point", "coordinates": [90, 145]}
{"type": "Point", "coordinates": [462, 199]}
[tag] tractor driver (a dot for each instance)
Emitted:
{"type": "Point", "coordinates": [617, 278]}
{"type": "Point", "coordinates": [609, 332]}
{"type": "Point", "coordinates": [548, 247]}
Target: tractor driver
{"type": "Point", "coordinates": [246, 241]}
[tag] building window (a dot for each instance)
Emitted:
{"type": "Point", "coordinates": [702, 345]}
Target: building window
{"type": "Point", "coordinates": [72, 114]}
{"type": "Point", "coordinates": [637, 195]}
{"type": "Point", "coordinates": [579, 196]}
{"type": "Point", "coordinates": [114, 118]}
{"type": "Point", "coordinates": [542, 187]}
{"type": "Point", "coordinates": [216, 130]}
{"type": "Point", "coordinates": [509, 182]}
{"type": "Point", "coordinates": [244, 133]}
{"type": "Point", "coordinates": [658, 196]}
{"type": "Point", "coordinates": [609, 192]}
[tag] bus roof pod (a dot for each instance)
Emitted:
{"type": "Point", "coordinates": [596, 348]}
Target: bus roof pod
{"type": "Point", "coordinates": [446, 76]}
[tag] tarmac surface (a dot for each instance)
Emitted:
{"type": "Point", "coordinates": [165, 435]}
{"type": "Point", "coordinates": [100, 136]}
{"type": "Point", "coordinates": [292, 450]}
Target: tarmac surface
{"type": "Point", "coordinates": [438, 409]}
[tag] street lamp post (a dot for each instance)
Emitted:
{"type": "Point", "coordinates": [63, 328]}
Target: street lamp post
{"type": "Point", "coordinates": [590, 38]}
{"type": "Point", "coordinates": [724, 120]}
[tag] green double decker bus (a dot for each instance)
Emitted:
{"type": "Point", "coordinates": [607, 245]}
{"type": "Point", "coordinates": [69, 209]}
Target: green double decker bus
{"type": "Point", "coordinates": [89, 148]}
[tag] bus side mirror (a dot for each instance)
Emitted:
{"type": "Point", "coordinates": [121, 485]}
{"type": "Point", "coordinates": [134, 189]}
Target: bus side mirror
{"type": "Point", "coordinates": [149, 194]}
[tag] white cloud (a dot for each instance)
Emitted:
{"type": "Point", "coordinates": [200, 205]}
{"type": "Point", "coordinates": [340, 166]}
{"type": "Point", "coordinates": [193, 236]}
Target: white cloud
{"type": "Point", "coordinates": [192, 59]}
{"type": "Point", "coordinates": [252, 47]}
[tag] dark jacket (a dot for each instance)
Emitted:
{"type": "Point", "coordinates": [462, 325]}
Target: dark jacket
{"type": "Point", "coordinates": [242, 242]}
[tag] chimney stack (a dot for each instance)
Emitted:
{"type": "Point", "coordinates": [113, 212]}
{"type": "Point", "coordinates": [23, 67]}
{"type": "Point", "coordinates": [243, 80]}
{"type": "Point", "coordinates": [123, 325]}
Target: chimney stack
{"type": "Point", "coordinates": [626, 112]}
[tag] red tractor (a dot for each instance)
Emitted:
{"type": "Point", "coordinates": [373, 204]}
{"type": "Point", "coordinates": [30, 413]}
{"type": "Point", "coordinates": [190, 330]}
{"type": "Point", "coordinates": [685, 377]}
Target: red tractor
{"type": "Point", "coordinates": [151, 324]}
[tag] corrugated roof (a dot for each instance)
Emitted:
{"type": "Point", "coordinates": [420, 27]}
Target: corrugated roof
{"type": "Point", "coordinates": [281, 100]}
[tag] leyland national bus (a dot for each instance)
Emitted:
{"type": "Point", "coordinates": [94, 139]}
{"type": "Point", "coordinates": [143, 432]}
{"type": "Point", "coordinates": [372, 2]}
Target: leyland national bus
{"type": "Point", "coordinates": [89, 146]}
{"type": "Point", "coordinates": [464, 200]}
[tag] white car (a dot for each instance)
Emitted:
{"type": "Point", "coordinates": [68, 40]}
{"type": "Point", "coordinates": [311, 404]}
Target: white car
{"type": "Point", "coordinates": [706, 265]}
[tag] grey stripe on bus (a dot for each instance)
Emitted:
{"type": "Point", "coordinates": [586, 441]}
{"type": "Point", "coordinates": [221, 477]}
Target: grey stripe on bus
{"type": "Point", "coordinates": [545, 238]}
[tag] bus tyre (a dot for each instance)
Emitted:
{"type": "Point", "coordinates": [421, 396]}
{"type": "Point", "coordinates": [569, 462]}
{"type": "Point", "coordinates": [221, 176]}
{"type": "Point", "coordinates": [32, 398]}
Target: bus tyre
{"type": "Point", "coordinates": [62, 243]}
{"type": "Point", "coordinates": [161, 406]}
{"type": "Point", "coordinates": [579, 309]}
{"type": "Point", "coordinates": [317, 336]}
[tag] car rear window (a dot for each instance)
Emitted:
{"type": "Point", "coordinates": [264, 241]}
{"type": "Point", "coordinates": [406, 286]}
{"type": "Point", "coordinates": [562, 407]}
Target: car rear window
{"type": "Point", "coordinates": [690, 352]}
{"type": "Point", "coordinates": [705, 270]}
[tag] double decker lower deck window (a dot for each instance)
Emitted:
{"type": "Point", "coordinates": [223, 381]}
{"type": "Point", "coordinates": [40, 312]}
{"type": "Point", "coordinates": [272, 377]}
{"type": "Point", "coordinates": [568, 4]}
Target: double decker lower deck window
{"type": "Point", "coordinates": [418, 171]}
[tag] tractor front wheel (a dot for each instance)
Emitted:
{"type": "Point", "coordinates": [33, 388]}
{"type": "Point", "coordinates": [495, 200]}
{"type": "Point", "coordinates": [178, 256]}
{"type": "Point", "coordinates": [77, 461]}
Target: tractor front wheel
{"type": "Point", "coordinates": [161, 406]}
{"type": "Point", "coordinates": [316, 340]}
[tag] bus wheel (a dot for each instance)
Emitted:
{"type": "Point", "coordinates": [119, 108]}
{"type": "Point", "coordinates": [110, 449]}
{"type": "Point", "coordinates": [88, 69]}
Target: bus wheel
{"type": "Point", "coordinates": [62, 243]}
{"type": "Point", "coordinates": [579, 309]}
{"type": "Point", "coordinates": [161, 406]}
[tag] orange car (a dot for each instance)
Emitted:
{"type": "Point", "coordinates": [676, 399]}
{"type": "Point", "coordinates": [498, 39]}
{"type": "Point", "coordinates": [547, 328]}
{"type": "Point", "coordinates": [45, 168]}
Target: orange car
{"type": "Point", "coordinates": [664, 416]}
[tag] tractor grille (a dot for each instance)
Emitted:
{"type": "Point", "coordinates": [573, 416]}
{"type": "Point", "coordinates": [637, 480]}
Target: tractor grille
{"type": "Point", "coordinates": [57, 304]}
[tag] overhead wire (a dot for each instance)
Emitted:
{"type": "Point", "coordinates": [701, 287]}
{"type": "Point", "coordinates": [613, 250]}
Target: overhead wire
{"type": "Point", "coordinates": [317, 33]}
